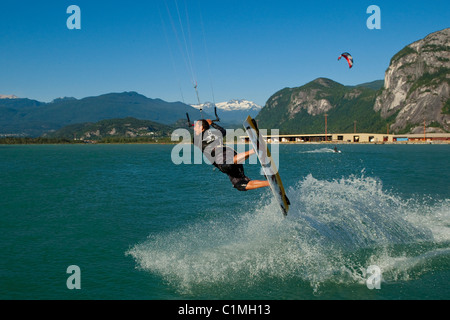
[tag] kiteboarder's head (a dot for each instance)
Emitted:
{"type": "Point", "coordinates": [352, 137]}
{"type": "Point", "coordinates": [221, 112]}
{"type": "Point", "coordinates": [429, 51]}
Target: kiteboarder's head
{"type": "Point", "coordinates": [200, 126]}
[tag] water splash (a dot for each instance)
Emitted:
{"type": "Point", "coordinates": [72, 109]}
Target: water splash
{"type": "Point", "coordinates": [320, 150]}
{"type": "Point", "coordinates": [334, 231]}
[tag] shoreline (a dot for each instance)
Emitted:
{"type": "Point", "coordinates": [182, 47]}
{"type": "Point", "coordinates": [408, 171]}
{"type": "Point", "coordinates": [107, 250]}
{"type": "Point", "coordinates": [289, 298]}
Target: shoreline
{"type": "Point", "coordinates": [330, 143]}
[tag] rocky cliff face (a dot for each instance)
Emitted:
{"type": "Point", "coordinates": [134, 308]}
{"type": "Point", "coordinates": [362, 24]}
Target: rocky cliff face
{"type": "Point", "coordinates": [314, 101]}
{"type": "Point", "coordinates": [417, 85]}
{"type": "Point", "coordinates": [303, 109]}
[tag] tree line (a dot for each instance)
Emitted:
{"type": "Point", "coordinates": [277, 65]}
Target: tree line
{"type": "Point", "coordinates": [106, 140]}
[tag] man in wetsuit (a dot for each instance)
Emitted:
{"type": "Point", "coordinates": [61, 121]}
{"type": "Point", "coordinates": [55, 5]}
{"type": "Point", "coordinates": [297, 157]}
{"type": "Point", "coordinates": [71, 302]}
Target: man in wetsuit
{"type": "Point", "coordinates": [209, 138]}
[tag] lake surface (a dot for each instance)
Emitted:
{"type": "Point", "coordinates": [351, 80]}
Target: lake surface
{"type": "Point", "coordinates": [140, 227]}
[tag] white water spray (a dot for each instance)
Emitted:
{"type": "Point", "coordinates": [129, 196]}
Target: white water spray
{"type": "Point", "coordinates": [334, 231]}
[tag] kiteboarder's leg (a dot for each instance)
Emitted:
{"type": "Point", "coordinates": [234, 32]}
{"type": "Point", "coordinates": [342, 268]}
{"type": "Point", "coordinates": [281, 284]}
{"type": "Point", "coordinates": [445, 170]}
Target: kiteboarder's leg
{"type": "Point", "coordinates": [241, 182]}
{"type": "Point", "coordinates": [245, 184]}
{"type": "Point", "coordinates": [241, 157]}
{"type": "Point", "coordinates": [235, 171]}
{"type": "Point", "coordinates": [256, 184]}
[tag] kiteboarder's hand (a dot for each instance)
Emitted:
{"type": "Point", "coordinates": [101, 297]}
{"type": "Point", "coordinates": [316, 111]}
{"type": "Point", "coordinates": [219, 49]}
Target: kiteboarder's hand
{"type": "Point", "coordinates": [209, 121]}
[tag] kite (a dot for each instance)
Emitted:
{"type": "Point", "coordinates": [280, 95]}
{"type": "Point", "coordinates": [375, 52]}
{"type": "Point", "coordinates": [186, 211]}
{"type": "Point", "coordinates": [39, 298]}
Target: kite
{"type": "Point", "coordinates": [348, 57]}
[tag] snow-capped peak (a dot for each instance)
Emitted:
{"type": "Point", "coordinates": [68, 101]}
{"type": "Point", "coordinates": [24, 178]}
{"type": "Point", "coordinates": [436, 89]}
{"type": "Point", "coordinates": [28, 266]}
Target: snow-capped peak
{"type": "Point", "coordinates": [232, 105]}
{"type": "Point", "coordinates": [11, 96]}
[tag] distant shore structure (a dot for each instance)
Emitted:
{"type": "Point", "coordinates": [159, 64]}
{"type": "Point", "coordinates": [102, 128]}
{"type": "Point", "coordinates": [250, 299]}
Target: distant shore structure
{"type": "Point", "coordinates": [356, 138]}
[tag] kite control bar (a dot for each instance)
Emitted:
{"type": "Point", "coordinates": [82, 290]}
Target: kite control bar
{"type": "Point", "coordinates": [216, 120]}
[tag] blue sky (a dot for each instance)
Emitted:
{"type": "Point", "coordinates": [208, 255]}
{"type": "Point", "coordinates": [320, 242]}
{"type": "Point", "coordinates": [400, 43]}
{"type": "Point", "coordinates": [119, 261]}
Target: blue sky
{"type": "Point", "coordinates": [234, 49]}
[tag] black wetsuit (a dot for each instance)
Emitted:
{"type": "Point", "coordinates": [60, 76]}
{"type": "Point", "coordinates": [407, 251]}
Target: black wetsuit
{"type": "Point", "coordinates": [222, 157]}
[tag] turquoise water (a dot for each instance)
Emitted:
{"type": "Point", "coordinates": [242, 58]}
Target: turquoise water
{"type": "Point", "coordinates": [140, 227]}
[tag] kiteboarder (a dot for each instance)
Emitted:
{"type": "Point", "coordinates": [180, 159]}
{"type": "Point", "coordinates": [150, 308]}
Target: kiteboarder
{"type": "Point", "coordinates": [208, 137]}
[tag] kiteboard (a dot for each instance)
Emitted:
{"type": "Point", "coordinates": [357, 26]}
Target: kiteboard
{"type": "Point", "coordinates": [267, 163]}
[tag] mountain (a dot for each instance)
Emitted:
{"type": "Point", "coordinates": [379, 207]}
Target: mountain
{"type": "Point", "coordinates": [303, 109]}
{"type": "Point", "coordinates": [375, 85]}
{"type": "Point", "coordinates": [416, 88]}
{"type": "Point", "coordinates": [417, 85]}
{"type": "Point", "coordinates": [112, 128]}
{"type": "Point", "coordinates": [34, 118]}
{"type": "Point", "coordinates": [233, 111]}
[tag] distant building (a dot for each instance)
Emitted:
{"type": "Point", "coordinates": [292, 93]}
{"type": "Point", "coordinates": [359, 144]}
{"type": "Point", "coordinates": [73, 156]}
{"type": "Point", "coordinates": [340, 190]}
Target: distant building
{"type": "Point", "coordinates": [428, 137]}
{"type": "Point", "coordinates": [355, 138]}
